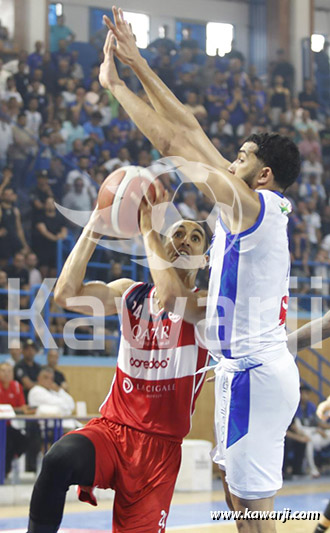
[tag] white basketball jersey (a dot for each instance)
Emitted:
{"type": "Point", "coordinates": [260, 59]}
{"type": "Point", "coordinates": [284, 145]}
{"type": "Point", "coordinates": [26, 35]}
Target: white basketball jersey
{"type": "Point", "coordinates": [249, 283]}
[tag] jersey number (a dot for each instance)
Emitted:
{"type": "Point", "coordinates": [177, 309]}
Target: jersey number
{"type": "Point", "coordinates": [284, 309]}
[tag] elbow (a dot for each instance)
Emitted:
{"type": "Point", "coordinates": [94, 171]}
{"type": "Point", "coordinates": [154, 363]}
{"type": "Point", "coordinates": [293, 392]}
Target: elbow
{"type": "Point", "coordinates": [61, 294]}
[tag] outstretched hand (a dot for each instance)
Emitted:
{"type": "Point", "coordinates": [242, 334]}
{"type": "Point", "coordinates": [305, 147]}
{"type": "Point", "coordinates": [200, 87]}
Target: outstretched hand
{"type": "Point", "coordinates": [108, 77]}
{"type": "Point", "coordinates": [125, 49]}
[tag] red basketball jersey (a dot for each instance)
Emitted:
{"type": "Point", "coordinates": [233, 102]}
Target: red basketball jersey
{"type": "Point", "coordinates": [155, 386]}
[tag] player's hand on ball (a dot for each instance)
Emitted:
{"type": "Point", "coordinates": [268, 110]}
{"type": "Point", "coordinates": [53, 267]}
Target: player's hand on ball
{"type": "Point", "coordinates": [149, 201]}
{"type": "Point", "coordinates": [125, 49]}
{"type": "Point", "coordinates": [108, 76]}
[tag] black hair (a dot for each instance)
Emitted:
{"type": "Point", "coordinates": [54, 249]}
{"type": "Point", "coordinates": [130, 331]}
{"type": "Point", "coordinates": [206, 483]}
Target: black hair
{"type": "Point", "coordinates": [280, 154]}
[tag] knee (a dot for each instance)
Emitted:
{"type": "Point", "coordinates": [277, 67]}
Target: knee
{"type": "Point", "coordinates": [57, 460]}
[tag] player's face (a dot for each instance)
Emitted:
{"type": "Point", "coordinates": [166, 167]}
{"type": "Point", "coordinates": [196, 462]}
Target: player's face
{"type": "Point", "coordinates": [185, 239]}
{"type": "Point", "coordinates": [246, 166]}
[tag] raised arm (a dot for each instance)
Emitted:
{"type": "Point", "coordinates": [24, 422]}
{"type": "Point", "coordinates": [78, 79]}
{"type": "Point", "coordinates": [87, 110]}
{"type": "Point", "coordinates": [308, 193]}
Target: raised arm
{"type": "Point", "coordinates": [302, 337]}
{"type": "Point", "coordinates": [71, 281]}
{"type": "Point", "coordinates": [193, 146]}
{"type": "Point", "coordinates": [162, 99]}
{"type": "Point", "coordinates": [169, 286]}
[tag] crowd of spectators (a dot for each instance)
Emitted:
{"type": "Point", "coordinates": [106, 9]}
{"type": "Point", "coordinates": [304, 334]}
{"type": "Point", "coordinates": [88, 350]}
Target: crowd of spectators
{"type": "Point", "coordinates": [61, 134]}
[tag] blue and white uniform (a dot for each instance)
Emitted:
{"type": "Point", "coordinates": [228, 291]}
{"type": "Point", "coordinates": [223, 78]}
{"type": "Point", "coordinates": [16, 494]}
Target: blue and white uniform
{"type": "Point", "coordinates": [257, 382]}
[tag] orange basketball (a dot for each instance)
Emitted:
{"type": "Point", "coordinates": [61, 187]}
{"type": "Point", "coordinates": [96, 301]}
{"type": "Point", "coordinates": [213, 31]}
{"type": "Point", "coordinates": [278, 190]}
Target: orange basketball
{"type": "Point", "coordinates": [118, 208]}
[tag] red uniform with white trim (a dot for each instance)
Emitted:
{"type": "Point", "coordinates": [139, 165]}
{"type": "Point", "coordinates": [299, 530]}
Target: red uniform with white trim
{"type": "Point", "coordinates": [14, 395]}
{"type": "Point", "coordinates": [146, 413]}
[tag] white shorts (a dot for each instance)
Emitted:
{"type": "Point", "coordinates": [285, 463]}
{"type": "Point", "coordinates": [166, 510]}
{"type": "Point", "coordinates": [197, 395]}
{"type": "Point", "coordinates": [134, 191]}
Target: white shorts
{"type": "Point", "coordinates": [255, 401]}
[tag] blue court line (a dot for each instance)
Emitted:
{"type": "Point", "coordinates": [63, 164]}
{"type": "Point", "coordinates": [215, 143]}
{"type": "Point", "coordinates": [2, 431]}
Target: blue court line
{"type": "Point", "coordinates": [180, 515]}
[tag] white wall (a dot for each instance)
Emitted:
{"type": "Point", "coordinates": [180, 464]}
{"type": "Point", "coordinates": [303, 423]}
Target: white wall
{"type": "Point", "coordinates": [322, 22]}
{"type": "Point", "coordinates": [7, 15]}
{"type": "Point", "coordinates": [165, 12]}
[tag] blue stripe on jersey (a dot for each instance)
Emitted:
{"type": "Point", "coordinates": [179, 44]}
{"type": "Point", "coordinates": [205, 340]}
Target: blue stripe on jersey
{"type": "Point", "coordinates": [239, 410]}
{"type": "Point", "coordinates": [255, 225]}
{"type": "Point", "coordinates": [228, 289]}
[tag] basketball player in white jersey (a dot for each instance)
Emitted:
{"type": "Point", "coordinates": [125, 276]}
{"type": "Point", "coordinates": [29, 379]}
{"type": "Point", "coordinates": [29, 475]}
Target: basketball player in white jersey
{"type": "Point", "coordinates": [257, 385]}
{"type": "Point", "coordinates": [135, 447]}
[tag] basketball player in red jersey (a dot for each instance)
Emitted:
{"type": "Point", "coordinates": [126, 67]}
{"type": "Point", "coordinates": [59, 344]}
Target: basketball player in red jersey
{"type": "Point", "coordinates": [135, 447]}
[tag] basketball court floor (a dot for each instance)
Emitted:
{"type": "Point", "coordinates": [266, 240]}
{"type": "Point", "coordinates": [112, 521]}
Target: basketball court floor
{"type": "Point", "coordinates": [190, 512]}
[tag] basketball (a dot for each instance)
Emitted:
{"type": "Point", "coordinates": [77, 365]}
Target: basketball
{"type": "Point", "coordinates": [116, 199]}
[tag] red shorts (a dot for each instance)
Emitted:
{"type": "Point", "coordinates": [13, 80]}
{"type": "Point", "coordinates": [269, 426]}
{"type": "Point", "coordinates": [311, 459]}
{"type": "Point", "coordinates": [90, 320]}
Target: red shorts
{"type": "Point", "coordinates": [140, 467]}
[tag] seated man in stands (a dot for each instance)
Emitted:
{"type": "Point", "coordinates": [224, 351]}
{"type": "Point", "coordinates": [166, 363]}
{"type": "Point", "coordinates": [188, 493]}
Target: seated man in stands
{"type": "Point", "coordinates": [317, 431]}
{"type": "Point", "coordinates": [44, 396]}
{"type": "Point", "coordinates": [11, 392]}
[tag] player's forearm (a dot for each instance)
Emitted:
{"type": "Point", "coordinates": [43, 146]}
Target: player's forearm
{"type": "Point", "coordinates": [302, 337]}
{"type": "Point", "coordinates": [71, 279]}
{"type": "Point", "coordinates": [160, 96]}
{"type": "Point", "coordinates": [156, 128]}
{"type": "Point", "coordinates": [166, 280]}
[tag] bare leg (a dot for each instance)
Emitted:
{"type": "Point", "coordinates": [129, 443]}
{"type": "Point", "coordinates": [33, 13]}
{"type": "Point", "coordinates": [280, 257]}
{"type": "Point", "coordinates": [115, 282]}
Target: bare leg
{"type": "Point", "coordinates": [254, 526]}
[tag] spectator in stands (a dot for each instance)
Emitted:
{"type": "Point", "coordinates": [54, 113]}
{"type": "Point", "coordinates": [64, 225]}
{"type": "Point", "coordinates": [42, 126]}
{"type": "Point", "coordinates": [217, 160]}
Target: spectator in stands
{"type": "Point", "coordinates": [23, 148]}
{"type": "Point", "coordinates": [6, 137]}
{"type": "Point", "coordinates": [313, 225]}
{"type": "Point", "coordinates": [12, 237]}
{"type": "Point", "coordinates": [76, 68]}
{"type": "Point", "coordinates": [283, 68]}
{"type": "Point", "coordinates": [93, 128]}
{"type": "Point", "coordinates": [26, 371]}
{"type": "Point", "coordinates": [22, 80]}
{"type": "Point", "coordinates": [310, 143]}
{"type": "Point", "coordinates": [313, 189]}
{"type": "Point", "coordinates": [308, 99]}
{"type": "Point", "coordinates": [34, 60]}
{"type": "Point", "coordinates": [279, 99]}
{"type": "Point", "coordinates": [60, 32]}
{"type": "Point", "coordinates": [217, 95]}
{"type": "Point", "coordinates": [79, 198]}
{"type": "Point", "coordinates": [318, 432]}
{"type": "Point", "coordinates": [82, 172]}
{"type": "Point", "coordinates": [15, 355]}
{"type": "Point", "coordinates": [47, 393]}
{"type": "Point", "coordinates": [294, 451]}
{"type": "Point", "coordinates": [81, 106]}
{"type": "Point", "coordinates": [238, 108]}
{"type": "Point", "coordinates": [38, 197]}
{"type": "Point", "coordinates": [3, 307]}
{"type": "Point", "coordinates": [122, 160]}
{"type": "Point", "coordinates": [114, 141]}
{"type": "Point", "coordinates": [48, 73]}
{"type": "Point", "coordinates": [59, 377]}
{"type": "Point", "coordinates": [49, 229]}
{"type": "Point", "coordinates": [11, 392]}
{"type": "Point", "coordinates": [33, 117]}
{"type": "Point", "coordinates": [123, 123]}
{"type": "Point", "coordinates": [18, 270]}
{"type": "Point", "coordinates": [71, 131]}
{"type": "Point", "coordinates": [312, 166]}
{"type": "Point", "coordinates": [69, 94]}
{"type": "Point", "coordinates": [322, 62]}
{"type": "Point", "coordinates": [94, 93]}
{"type": "Point", "coordinates": [325, 142]}
{"type": "Point", "coordinates": [4, 75]}
{"type": "Point", "coordinates": [11, 92]}
{"type": "Point", "coordinates": [31, 263]}
{"type": "Point", "coordinates": [103, 107]}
